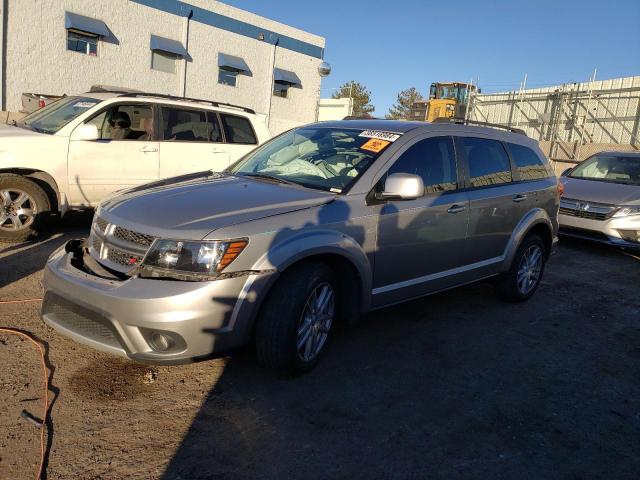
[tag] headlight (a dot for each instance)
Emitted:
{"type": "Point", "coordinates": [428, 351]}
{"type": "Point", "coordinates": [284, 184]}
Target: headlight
{"type": "Point", "coordinates": [188, 260]}
{"type": "Point", "coordinates": [627, 211]}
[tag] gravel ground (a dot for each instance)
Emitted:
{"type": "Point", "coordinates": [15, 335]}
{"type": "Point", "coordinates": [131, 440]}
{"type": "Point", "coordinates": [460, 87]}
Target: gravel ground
{"type": "Point", "coordinates": [459, 385]}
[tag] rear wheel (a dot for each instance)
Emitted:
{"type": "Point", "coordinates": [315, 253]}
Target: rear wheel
{"type": "Point", "coordinates": [297, 319]}
{"type": "Point", "coordinates": [23, 207]}
{"type": "Point", "coordinates": [525, 274]}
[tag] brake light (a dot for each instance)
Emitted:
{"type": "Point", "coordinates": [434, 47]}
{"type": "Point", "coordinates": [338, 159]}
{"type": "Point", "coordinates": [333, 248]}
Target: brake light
{"type": "Point", "coordinates": [40, 103]}
{"type": "Point", "coordinates": [560, 188]}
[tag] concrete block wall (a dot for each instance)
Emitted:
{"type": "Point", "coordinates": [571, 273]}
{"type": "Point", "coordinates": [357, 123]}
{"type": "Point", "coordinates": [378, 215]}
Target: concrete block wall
{"type": "Point", "coordinates": [38, 61]}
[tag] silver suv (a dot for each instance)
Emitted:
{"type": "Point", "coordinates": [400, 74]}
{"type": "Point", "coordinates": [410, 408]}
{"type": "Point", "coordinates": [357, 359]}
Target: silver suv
{"type": "Point", "coordinates": [315, 227]}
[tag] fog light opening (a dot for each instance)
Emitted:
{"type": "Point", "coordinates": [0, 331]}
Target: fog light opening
{"type": "Point", "coordinates": [160, 342]}
{"type": "Point", "coordinates": [630, 235]}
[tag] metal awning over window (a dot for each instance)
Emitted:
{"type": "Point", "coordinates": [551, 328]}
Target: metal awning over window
{"type": "Point", "coordinates": [236, 64]}
{"type": "Point", "coordinates": [73, 21]}
{"type": "Point", "coordinates": [167, 45]}
{"type": "Point", "coordinates": [286, 77]}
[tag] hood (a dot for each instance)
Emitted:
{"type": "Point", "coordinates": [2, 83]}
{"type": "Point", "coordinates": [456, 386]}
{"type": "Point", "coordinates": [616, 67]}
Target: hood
{"type": "Point", "coordinates": [12, 132]}
{"type": "Point", "coordinates": [601, 192]}
{"type": "Point", "coordinates": [191, 206]}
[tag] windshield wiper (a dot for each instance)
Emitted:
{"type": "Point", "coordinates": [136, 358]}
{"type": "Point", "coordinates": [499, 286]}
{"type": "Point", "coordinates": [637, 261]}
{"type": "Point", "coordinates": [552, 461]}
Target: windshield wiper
{"type": "Point", "coordinates": [607, 180]}
{"type": "Point", "coordinates": [268, 177]}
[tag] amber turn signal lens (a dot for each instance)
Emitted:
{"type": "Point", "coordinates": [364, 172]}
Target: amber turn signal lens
{"type": "Point", "coordinates": [560, 188]}
{"type": "Point", "coordinates": [231, 253]}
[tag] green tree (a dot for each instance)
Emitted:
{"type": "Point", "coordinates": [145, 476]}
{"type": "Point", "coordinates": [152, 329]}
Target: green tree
{"type": "Point", "coordinates": [402, 108]}
{"type": "Point", "coordinates": [361, 97]}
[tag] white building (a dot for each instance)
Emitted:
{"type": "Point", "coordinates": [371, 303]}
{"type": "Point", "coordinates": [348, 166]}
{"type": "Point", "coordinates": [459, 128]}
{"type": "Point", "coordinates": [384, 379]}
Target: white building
{"type": "Point", "coordinates": [334, 108]}
{"type": "Point", "coordinates": [198, 48]}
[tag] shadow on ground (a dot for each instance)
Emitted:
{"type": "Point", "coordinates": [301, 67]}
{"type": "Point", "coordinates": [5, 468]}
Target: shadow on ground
{"type": "Point", "coordinates": [459, 385]}
{"type": "Point", "coordinates": [13, 265]}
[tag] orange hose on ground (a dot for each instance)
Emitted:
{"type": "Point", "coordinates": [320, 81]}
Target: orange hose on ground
{"type": "Point", "coordinates": [26, 300]}
{"type": "Point", "coordinates": [46, 391]}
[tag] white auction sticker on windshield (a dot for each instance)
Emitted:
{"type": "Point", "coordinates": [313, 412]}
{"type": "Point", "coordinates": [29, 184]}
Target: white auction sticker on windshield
{"type": "Point", "coordinates": [380, 135]}
{"type": "Point", "coordinates": [84, 104]}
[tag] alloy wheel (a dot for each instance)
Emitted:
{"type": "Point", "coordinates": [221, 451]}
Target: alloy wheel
{"type": "Point", "coordinates": [529, 269]}
{"type": "Point", "coordinates": [17, 209]}
{"type": "Point", "coordinates": [315, 322]}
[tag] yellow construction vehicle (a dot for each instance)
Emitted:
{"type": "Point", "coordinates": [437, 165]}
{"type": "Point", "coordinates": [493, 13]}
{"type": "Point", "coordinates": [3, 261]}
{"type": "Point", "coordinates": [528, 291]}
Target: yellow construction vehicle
{"type": "Point", "coordinates": [448, 100]}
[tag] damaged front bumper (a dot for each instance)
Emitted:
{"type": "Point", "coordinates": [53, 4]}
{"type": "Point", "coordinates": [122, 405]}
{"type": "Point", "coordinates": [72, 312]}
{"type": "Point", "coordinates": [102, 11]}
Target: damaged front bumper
{"type": "Point", "coordinates": [148, 320]}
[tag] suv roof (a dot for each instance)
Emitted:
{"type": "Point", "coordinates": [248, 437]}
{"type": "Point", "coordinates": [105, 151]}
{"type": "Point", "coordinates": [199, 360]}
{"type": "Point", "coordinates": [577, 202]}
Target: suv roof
{"type": "Point", "coordinates": [108, 94]}
{"type": "Point", "coordinates": [618, 153]}
{"type": "Point", "coordinates": [404, 126]}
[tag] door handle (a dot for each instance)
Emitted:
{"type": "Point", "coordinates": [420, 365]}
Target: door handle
{"type": "Point", "coordinates": [456, 209]}
{"type": "Point", "coordinates": [147, 149]}
{"type": "Point", "coordinates": [219, 150]}
{"type": "Point", "coordinates": [520, 197]}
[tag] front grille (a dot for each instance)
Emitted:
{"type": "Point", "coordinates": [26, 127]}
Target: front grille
{"type": "Point", "coordinates": [79, 320]}
{"type": "Point", "coordinates": [133, 237]}
{"type": "Point", "coordinates": [101, 224]}
{"type": "Point", "coordinates": [583, 214]}
{"type": "Point", "coordinates": [122, 258]}
{"type": "Point", "coordinates": [586, 209]}
{"type": "Point", "coordinates": [116, 247]}
{"type": "Point", "coordinates": [96, 244]}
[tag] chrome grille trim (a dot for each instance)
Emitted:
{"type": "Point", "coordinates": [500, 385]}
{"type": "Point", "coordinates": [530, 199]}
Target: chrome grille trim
{"type": "Point", "coordinates": [116, 247]}
{"type": "Point", "coordinates": [95, 243]}
{"type": "Point", "coordinates": [586, 209]}
{"type": "Point", "coordinates": [101, 224]}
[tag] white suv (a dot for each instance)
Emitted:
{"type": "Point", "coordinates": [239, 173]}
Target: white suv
{"type": "Point", "coordinates": [80, 149]}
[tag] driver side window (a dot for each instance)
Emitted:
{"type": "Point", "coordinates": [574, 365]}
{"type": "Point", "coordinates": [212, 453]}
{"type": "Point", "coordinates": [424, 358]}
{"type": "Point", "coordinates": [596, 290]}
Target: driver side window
{"type": "Point", "coordinates": [125, 122]}
{"type": "Point", "coordinates": [433, 159]}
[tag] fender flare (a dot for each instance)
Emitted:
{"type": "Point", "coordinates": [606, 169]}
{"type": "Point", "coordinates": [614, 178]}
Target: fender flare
{"type": "Point", "coordinates": [61, 202]}
{"type": "Point", "coordinates": [536, 216]}
{"type": "Point", "coordinates": [321, 242]}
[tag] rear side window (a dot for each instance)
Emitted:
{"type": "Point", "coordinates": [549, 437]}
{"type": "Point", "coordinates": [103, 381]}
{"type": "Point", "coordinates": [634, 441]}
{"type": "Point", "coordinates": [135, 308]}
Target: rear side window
{"type": "Point", "coordinates": [488, 161]}
{"type": "Point", "coordinates": [190, 125]}
{"type": "Point", "coordinates": [432, 159]}
{"type": "Point", "coordinates": [528, 163]}
{"type": "Point", "coordinates": [238, 129]}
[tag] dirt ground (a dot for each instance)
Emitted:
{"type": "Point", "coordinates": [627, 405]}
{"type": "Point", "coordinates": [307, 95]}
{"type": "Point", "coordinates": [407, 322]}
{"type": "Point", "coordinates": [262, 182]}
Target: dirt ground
{"type": "Point", "coordinates": [459, 385]}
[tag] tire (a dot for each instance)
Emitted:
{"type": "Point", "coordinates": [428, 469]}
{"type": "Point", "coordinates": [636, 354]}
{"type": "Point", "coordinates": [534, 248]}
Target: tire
{"type": "Point", "coordinates": [14, 225]}
{"type": "Point", "coordinates": [286, 317]}
{"type": "Point", "coordinates": [510, 285]}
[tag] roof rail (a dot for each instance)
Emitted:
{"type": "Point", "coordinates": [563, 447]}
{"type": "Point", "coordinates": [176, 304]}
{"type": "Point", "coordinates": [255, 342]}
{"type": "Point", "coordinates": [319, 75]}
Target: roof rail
{"type": "Point", "coordinates": [187, 99]}
{"type": "Point", "coordinates": [462, 121]}
{"type": "Point", "coordinates": [112, 89]}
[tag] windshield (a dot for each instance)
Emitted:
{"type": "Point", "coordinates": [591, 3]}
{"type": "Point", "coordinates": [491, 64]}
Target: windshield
{"type": "Point", "coordinates": [454, 92]}
{"type": "Point", "coordinates": [328, 159]}
{"type": "Point", "coordinates": [609, 168]}
{"type": "Point", "coordinates": [53, 117]}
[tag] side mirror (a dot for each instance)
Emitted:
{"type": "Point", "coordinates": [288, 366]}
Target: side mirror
{"type": "Point", "coordinates": [87, 132]}
{"type": "Point", "coordinates": [566, 172]}
{"type": "Point", "coordinates": [402, 186]}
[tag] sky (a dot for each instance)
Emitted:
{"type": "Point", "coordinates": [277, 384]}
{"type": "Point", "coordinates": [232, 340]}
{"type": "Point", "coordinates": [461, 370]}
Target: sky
{"type": "Point", "coordinates": [389, 46]}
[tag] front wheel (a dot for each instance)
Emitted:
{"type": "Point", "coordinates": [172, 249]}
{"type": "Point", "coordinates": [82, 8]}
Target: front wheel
{"type": "Point", "coordinates": [525, 274]}
{"type": "Point", "coordinates": [297, 319]}
{"type": "Point", "coordinates": [23, 206]}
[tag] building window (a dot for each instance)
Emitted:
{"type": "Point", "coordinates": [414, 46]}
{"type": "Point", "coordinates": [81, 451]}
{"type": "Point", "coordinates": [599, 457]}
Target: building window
{"type": "Point", "coordinates": [227, 77]}
{"type": "Point", "coordinates": [280, 89]}
{"type": "Point", "coordinates": [83, 43]}
{"type": "Point", "coordinates": [163, 61]}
